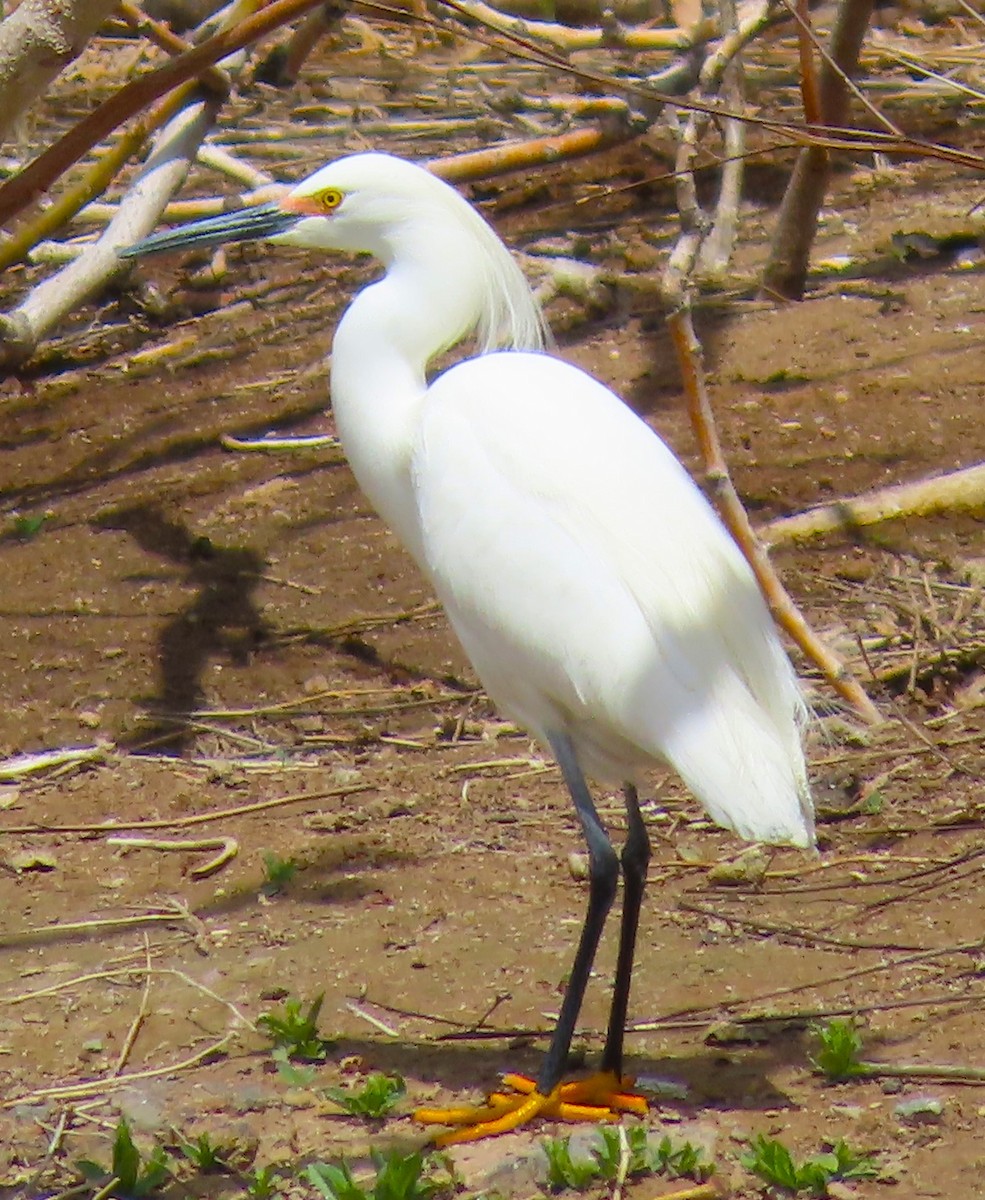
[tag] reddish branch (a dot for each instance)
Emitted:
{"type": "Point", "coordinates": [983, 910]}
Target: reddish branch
{"type": "Point", "coordinates": [33, 181]}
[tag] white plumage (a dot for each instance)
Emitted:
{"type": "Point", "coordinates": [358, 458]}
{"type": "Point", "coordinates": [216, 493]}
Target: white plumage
{"type": "Point", "coordinates": [600, 600]}
{"type": "Point", "coordinates": [588, 579]}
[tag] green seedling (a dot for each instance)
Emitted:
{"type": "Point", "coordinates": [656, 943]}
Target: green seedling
{"type": "Point", "coordinates": [295, 1031]}
{"type": "Point", "coordinates": [261, 1184]}
{"type": "Point", "coordinates": [205, 1155]}
{"type": "Point", "coordinates": [135, 1176]}
{"type": "Point", "coordinates": [278, 872]}
{"type": "Point", "coordinates": [775, 1165]}
{"type": "Point", "coordinates": [839, 1046]}
{"type": "Point", "coordinates": [646, 1157]}
{"type": "Point", "coordinates": [28, 526]}
{"type": "Point", "coordinates": [378, 1096]}
{"type": "Point", "coordinates": [398, 1177]}
{"type": "Point", "coordinates": [565, 1171]}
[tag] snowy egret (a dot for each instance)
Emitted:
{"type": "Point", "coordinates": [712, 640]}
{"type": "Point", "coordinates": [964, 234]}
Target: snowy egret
{"type": "Point", "coordinates": [601, 602]}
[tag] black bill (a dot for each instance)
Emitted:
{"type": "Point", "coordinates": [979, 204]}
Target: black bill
{"type": "Point", "coordinates": [244, 225]}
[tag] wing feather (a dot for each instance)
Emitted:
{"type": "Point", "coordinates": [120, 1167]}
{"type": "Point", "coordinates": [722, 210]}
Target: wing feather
{"type": "Point", "coordinates": [595, 590]}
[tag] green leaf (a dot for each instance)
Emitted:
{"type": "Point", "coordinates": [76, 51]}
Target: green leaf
{"type": "Point", "coordinates": [293, 1076]}
{"type": "Point", "coordinates": [565, 1172]}
{"type": "Point", "coordinates": [379, 1096]}
{"type": "Point", "coordinates": [839, 1046]}
{"type": "Point", "coordinates": [156, 1171]}
{"type": "Point", "coordinates": [126, 1158]}
{"type": "Point", "coordinates": [771, 1161]}
{"type": "Point", "coordinates": [334, 1182]}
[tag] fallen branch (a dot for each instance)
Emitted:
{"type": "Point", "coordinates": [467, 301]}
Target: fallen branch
{"type": "Point", "coordinates": [923, 1071]}
{"type": "Point", "coordinates": [958, 491]}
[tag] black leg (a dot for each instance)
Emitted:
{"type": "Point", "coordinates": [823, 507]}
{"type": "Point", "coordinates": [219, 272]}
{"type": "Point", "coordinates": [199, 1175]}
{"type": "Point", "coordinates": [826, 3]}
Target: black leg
{"type": "Point", "coordinates": [635, 859]}
{"type": "Point", "coordinates": [603, 876]}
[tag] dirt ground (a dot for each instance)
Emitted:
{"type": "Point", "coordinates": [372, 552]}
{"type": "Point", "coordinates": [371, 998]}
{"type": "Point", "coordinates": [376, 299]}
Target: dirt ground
{"type": "Point", "coordinates": [250, 657]}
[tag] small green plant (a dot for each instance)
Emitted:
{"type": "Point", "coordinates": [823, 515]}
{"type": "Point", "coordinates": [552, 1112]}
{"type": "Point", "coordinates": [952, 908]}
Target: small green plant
{"type": "Point", "coordinates": [278, 871]}
{"type": "Point", "coordinates": [378, 1096]}
{"type": "Point", "coordinates": [205, 1155]}
{"type": "Point", "coordinates": [261, 1183]}
{"type": "Point", "coordinates": [398, 1177]}
{"type": "Point", "coordinates": [683, 1161]}
{"type": "Point", "coordinates": [774, 1164]}
{"type": "Point", "coordinates": [839, 1046]}
{"type": "Point", "coordinates": [565, 1171]}
{"type": "Point", "coordinates": [295, 1031]}
{"type": "Point", "coordinates": [135, 1177]}
{"type": "Point", "coordinates": [646, 1157]}
{"type": "Point", "coordinates": [28, 526]}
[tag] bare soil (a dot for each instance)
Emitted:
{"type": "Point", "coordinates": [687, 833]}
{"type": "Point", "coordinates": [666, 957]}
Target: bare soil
{"type": "Point", "coordinates": [255, 658]}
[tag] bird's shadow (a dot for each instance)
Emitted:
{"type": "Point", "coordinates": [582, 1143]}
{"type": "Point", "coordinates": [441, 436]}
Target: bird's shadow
{"type": "Point", "coordinates": [222, 618]}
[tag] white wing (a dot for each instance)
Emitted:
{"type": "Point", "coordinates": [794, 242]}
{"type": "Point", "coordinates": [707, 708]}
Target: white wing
{"type": "Point", "coordinates": [597, 594]}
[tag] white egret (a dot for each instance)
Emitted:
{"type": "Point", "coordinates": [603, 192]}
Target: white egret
{"type": "Point", "coordinates": [601, 602]}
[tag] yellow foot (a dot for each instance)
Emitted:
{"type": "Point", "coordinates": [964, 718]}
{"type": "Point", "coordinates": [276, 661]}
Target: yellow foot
{"type": "Point", "coordinates": [600, 1097]}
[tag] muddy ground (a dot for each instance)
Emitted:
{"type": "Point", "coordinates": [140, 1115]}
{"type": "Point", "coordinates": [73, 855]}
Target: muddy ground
{"type": "Point", "coordinates": [251, 656]}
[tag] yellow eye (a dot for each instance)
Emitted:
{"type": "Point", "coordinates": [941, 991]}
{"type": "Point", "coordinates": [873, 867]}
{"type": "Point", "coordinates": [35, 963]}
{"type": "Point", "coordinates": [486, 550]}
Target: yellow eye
{"type": "Point", "coordinates": [329, 199]}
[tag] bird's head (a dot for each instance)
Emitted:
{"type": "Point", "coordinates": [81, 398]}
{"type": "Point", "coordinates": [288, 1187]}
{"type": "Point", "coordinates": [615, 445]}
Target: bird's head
{"type": "Point", "coordinates": [362, 203]}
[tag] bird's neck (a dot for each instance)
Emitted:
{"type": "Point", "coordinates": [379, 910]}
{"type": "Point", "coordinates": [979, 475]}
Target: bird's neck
{"type": "Point", "coordinates": [380, 354]}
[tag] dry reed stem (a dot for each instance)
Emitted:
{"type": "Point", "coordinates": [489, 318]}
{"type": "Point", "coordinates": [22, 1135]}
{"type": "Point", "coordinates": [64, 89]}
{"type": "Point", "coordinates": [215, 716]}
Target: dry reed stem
{"type": "Point", "coordinates": [809, 88]}
{"type": "Point", "coordinates": [140, 1016]}
{"type": "Point", "coordinates": [128, 973]}
{"type": "Point", "coordinates": [199, 819]}
{"type": "Point", "coordinates": [98, 1087]}
{"type": "Point", "coordinates": [279, 445]}
{"type": "Point", "coordinates": [566, 39]}
{"type": "Point", "coordinates": [228, 848]}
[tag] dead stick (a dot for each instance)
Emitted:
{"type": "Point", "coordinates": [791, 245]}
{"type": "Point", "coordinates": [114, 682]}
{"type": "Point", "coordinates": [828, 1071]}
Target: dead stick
{"type": "Point", "coordinates": [957, 491]}
{"type": "Point", "coordinates": [96, 1087]}
{"type": "Point", "coordinates": [730, 506]}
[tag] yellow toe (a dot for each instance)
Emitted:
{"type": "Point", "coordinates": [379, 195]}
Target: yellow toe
{"type": "Point", "coordinates": [600, 1097]}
